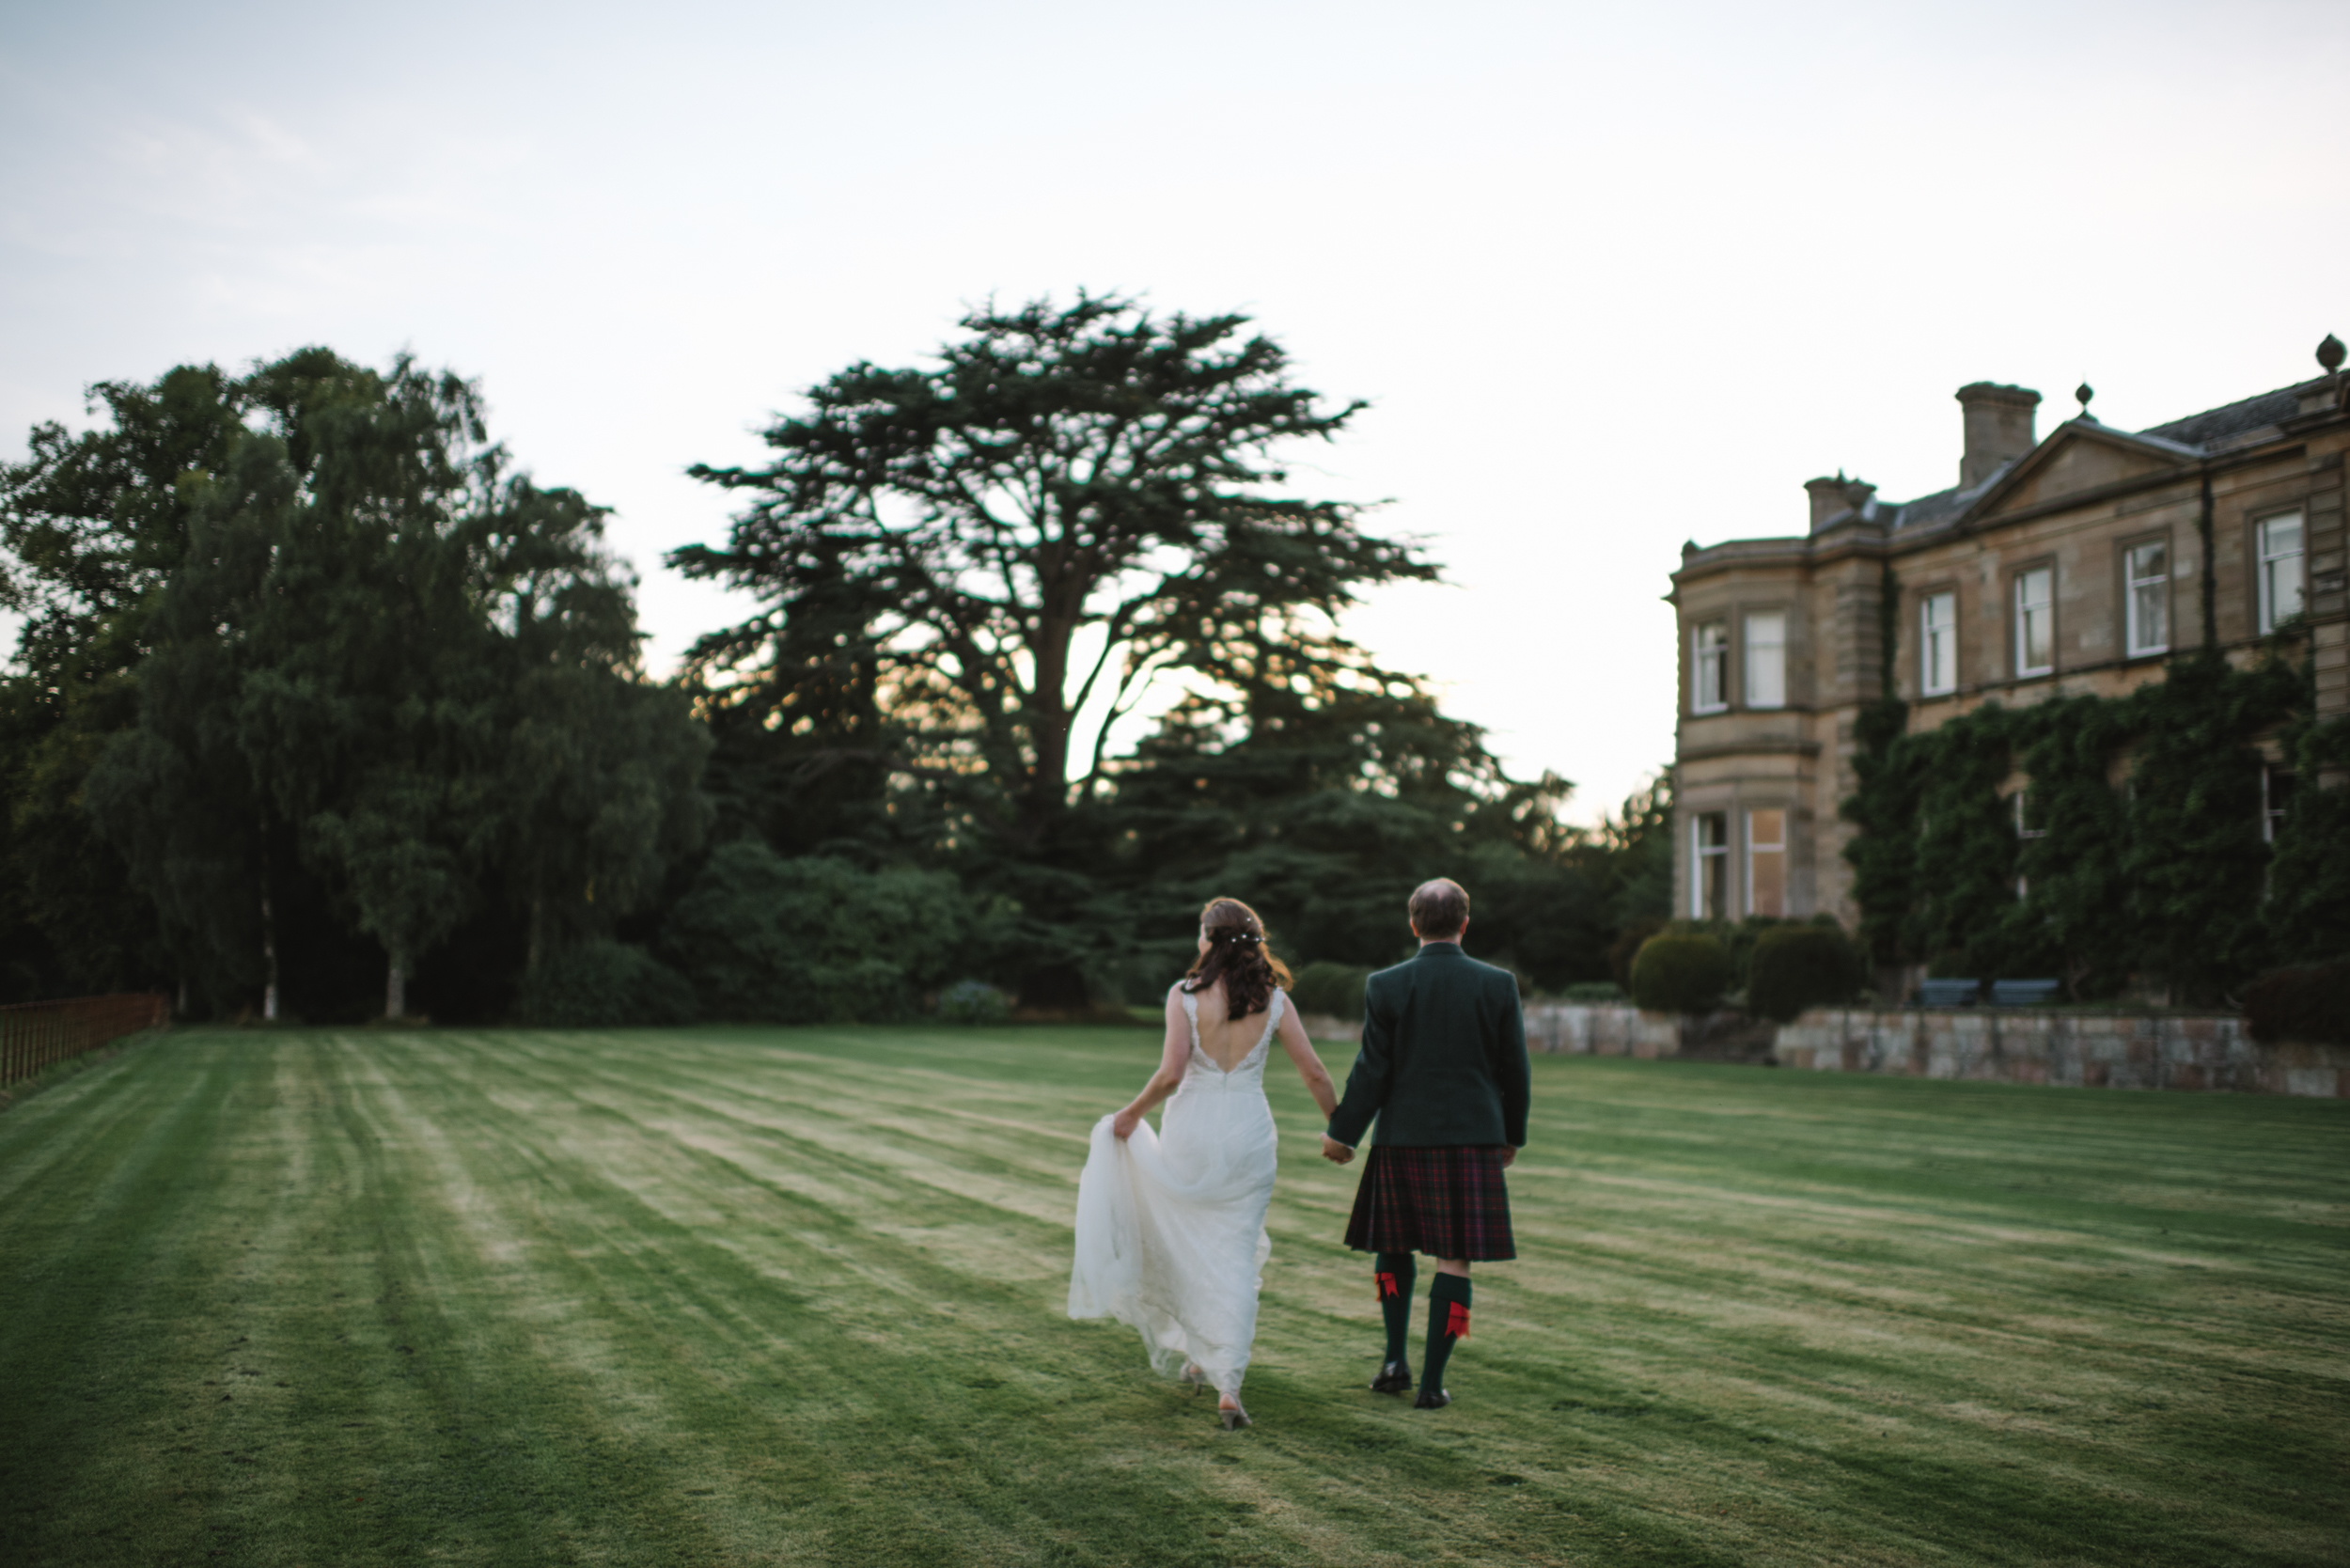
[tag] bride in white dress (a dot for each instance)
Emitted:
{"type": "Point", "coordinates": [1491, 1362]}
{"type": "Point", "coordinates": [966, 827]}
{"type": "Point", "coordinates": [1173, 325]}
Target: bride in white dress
{"type": "Point", "coordinates": [1170, 1226]}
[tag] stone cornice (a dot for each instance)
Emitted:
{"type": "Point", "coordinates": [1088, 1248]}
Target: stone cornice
{"type": "Point", "coordinates": [1748, 748]}
{"type": "Point", "coordinates": [2182, 474]}
{"type": "Point", "coordinates": [1807, 554]}
{"type": "Point", "coordinates": [1850, 540]}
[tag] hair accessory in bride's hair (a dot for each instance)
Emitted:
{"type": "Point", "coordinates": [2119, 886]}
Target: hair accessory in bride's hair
{"type": "Point", "coordinates": [1236, 954]}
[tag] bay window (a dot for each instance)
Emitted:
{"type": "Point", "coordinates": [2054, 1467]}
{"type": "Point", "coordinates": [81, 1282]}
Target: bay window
{"type": "Point", "coordinates": [1766, 660]}
{"type": "Point", "coordinates": [1709, 865]}
{"type": "Point", "coordinates": [1709, 667]}
{"type": "Point", "coordinates": [1766, 862]}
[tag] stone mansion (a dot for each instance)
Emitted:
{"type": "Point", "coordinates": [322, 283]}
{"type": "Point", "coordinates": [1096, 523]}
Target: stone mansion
{"type": "Point", "coordinates": [2064, 565]}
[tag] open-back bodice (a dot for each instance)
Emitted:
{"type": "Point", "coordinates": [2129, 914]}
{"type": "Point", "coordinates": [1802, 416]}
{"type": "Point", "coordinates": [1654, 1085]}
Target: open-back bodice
{"type": "Point", "coordinates": [1250, 1068]}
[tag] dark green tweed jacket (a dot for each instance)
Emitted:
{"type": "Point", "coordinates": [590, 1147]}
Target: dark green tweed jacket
{"type": "Point", "coordinates": [1444, 1056]}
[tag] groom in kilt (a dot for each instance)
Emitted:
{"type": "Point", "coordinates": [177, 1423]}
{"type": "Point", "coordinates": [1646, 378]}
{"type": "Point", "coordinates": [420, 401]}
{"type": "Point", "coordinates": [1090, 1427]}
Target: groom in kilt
{"type": "Point", "coordinates": [1443, 1070]}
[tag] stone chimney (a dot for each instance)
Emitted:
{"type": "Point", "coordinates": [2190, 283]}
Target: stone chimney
{"type": "Point", "coordinates": [1831, 497]}
{"type": "Point", "coordinates": [1828, 498]}
{"type": "Point", "coordinates": [1998, 428]}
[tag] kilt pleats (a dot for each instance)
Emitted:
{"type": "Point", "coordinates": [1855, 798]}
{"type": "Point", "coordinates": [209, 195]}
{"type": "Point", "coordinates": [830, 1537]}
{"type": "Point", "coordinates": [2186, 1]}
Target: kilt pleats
{"type": "Point", "coordinates": [1448, 1202]}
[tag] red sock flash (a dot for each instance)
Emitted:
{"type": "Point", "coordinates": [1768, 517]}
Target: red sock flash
{"type": "Point", "coordinates": [1458, 1327]}
{"type": "Point", "coordinates": [1386, 1284]}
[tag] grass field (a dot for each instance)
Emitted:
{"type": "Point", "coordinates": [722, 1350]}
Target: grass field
{"type": "Point", "coordinates": [728, 1296]}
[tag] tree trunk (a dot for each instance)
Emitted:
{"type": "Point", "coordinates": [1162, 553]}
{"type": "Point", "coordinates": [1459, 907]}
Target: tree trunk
{"type": "Point", "coordinates": [269, 961]}
{"type": "Point", "coordinates": [269, 937]}
{"type": "Point", "coordinates": [1048, 710]}
{"type": "Point", "coordinates": [395, 987]}
{"type": "Point", "coordinates": [537, 934]}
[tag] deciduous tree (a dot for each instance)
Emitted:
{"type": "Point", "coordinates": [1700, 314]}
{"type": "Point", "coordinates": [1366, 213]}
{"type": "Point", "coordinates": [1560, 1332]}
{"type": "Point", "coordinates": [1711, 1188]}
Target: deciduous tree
{"type": "Point", "coordinates": [364, 656]}
{"type": "Point", "coordinates": [92, 526]}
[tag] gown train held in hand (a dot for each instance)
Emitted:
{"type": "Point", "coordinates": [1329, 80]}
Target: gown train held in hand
{"type": "Point", "coordinates": [1170, 1225]}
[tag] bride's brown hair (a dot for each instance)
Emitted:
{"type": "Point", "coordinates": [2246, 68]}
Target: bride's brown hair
{"type": "Point", "coordinates": [1237, 956]}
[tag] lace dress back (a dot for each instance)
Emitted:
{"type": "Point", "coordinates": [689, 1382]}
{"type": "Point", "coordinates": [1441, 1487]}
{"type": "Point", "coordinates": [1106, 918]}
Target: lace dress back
{"type": "Point", "coordinates": [1170, 1225]}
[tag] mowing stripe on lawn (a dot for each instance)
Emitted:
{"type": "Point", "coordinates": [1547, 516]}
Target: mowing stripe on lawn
{"type": "Point", "coordinates": [742, 1295]}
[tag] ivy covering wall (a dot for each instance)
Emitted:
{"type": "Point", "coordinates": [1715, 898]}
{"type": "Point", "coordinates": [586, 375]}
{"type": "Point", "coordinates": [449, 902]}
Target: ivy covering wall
{"type": "Point", "coordinates": [2137, 852]}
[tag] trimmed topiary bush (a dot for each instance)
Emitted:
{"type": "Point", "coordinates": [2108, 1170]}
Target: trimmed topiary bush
{"type": "Point", "coordinates": [603, 984]}
{"type": "Point", "coordinates": [973, 1002]}
{"type": "Point", "coordinates": [2306, 1006]}
{"type": "Point", "coordinates": [1680, 972]}
{"type": "Point", "coordinates": [1332, 989]}
{"type": "Point", "coordinates": [1626, 946]}
{"type": "Point", "coordinates": [1794, 967]}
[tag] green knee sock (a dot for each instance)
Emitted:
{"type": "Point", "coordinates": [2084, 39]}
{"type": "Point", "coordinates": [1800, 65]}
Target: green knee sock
{"type": "Point", "coordinates": [1447, 1321]}
{"type": "Point", "coordinates": [1394, 1278]}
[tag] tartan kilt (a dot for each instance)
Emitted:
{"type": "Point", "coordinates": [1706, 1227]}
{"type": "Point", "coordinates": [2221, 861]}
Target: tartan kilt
{"type": "Point", "coordinates": [1448, 1202]}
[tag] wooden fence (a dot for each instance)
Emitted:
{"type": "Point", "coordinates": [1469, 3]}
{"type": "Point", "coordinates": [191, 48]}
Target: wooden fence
{"type": "Point", "coordinates": [35, 1035]}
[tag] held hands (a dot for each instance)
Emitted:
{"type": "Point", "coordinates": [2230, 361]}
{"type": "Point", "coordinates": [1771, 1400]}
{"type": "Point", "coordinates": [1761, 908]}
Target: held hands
{"type": "Point", "coordinates": [1507, 1156]}
{"type": "Point", "coordinates": [1335, 1151]}
{"type": "Point", "coordinates": [1125, 1121]}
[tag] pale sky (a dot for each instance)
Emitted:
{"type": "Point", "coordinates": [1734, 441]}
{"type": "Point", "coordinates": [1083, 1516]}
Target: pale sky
{"type": "Point", "coordinates": [1611, 276]}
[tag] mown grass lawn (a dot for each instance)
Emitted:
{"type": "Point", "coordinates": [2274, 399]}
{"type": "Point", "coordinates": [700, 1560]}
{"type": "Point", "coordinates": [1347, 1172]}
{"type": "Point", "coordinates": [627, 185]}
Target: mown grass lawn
{"type": "Point", "coordinates": [797, 1296]}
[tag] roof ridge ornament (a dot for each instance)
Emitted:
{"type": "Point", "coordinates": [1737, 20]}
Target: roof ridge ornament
{"type": "Point", "coordinates": [2084, 392]}
{"type": "Point", "coordinates": [2329, 355]}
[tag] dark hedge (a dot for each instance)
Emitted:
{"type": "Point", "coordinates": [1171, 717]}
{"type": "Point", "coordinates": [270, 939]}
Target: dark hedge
{"type": "Point", "coordinates": [1332, 989]}
{"type": "Point", "coordinates": [1795, 967]}
{"type": "Point", "coordinates": [2309, 1005]}
{"type": "Point", "coordinates": [602, 984]}
{"type": "Point", "coordinates": [1680, 972]}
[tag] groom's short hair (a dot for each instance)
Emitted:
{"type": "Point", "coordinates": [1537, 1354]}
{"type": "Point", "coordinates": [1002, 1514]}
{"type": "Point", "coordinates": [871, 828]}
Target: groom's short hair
{"type": "Point", "coordinates": [1439, 909]}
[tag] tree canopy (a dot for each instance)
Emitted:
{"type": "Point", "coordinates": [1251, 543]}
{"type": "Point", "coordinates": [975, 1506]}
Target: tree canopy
{"type": "Point", "coordinates": [941, 539]}
{"type": "Point", "coordinates": [94, 527]}
{"type": "Point", "coordinates": [308, 638]}
{"type": "Point", "coordinates": [957, 563]}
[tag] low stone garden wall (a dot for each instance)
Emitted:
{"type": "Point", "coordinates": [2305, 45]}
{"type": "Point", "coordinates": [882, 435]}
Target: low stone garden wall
{"type": "Point", "coordinates": [1329, 1025]}
{"type": "Point", "coordinates": [1602, 1029]}
{"type": "Point", "coordinates": [2087, 1049]}
{"type": "Point", "coordinates": [2009, 1045]}
{"type": "Point", "coordinates": [1552, 1026]}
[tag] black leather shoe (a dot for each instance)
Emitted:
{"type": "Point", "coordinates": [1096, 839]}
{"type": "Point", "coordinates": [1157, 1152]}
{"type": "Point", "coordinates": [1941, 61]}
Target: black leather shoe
{"type": "Point", "coordinates": [1394, 1378]}
{"type": "Point", "coordinates": [1431, 1398]}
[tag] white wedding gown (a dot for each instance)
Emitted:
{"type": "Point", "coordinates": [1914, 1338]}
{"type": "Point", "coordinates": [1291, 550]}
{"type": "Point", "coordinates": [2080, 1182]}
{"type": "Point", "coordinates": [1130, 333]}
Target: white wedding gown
{"type": "Point", "coordinates": [1170, 1225]}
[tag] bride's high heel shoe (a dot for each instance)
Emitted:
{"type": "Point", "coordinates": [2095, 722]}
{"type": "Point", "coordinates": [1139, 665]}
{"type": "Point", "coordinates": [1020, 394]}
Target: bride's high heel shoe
{"type": "Point", "coordinates": [1192, 1375]}
{"type": "Point", "coordinates": [1232, 1416]}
